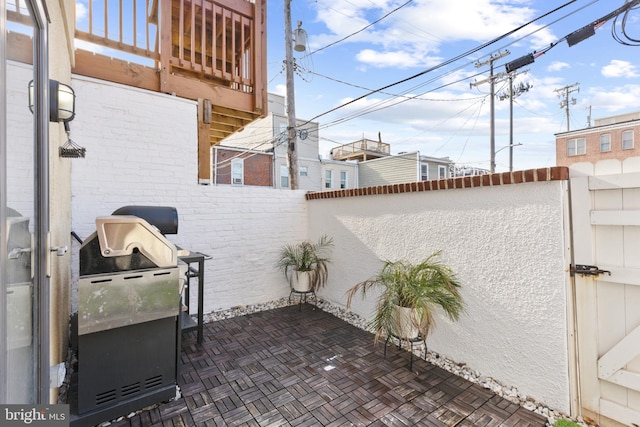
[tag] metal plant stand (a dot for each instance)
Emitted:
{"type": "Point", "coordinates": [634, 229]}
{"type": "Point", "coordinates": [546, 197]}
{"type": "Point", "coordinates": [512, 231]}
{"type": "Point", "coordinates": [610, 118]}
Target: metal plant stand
{"type": "Point", "coordinates": [411, 341]}
{"type": "Point", "coordinates": [302, 295]}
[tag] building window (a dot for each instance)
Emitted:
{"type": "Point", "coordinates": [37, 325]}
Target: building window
{"type": "Point", "coordinates": [442, 172]}
{"type": "Point", "coordinates": [304, 171]}
{"type": "Point", "coordinates": [605, 142]}
{"type": "Point", "coordinates": [424, 172]}
{"type": "Point", "coordinates": [576, 147]}
{"type": "Point", "coordinates": [627, 140]}
{"type": "Point", "coordinates": [343, 179]}
{"type": "Point", "coordinates": [237, 172]}
{"type": "Point", "coordinates": [328, 179]}
{"type": "Point", "coordinates": [284, 177]}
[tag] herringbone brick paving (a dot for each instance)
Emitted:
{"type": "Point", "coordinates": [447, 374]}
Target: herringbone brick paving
{"type": "Point", "coordinates": [283, 367]}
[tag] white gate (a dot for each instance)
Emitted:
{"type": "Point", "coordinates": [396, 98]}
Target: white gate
{"type": "Point", "coordinates": [606, 241]}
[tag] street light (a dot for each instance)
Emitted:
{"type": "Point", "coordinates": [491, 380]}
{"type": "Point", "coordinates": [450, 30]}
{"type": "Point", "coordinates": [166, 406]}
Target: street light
{"type": "Point", "coordinates": [510, 147]}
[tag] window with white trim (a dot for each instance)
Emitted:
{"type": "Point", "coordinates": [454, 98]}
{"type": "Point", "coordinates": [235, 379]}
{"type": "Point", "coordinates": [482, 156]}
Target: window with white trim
{"type": "Point", "coordinates": [237, 172]}
{"type": "Point", "coordinates": [328, 178]}
{"type": "Point", "coordinates": [284, 176]}
{"type": "Point", "coordinates": [343, 179]}
{"type": "Point", "coordinates": [576, 146]}
{"type": "Point", "coordinates": [605, 142]}
{"type": "Point", "coordinates": [304, 171]}
{"type": "Point", "coordinates": [442, 172]}
{"type": "Point", "coordinates": [424, 171]}
{"type": "Point", "coordinates": [627, 140]}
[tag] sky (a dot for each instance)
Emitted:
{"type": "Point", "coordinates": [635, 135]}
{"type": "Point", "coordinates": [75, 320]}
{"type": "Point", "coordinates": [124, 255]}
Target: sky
{"type": "Point", "coordinates": [443, 109]}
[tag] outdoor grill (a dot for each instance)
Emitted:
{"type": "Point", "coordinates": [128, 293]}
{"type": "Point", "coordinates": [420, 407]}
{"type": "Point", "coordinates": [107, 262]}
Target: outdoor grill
{"type": "Point", "coordinates": [127, 324]}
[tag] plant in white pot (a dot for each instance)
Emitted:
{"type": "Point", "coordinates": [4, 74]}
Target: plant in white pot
{"type": "Point", "coordinates": [305, 264]}
{"type": "Point", "coordinates": [410, 295]}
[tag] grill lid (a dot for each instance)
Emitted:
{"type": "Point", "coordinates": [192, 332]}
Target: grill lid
{"type": "Point", "coordinates": [122, 235]}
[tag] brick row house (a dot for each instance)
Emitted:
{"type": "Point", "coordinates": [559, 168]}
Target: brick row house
{"type": "Point", "coordinates": [614, 137]}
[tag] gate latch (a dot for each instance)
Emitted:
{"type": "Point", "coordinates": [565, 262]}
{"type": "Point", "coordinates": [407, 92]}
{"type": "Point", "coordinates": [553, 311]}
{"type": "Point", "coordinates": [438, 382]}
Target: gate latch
{"type": "Point", "coordinates": [587, 270]}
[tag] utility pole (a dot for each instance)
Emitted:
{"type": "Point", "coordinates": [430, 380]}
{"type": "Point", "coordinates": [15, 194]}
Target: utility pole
{"type": "Point", "coordinates": [511, 95]}
{"type": "Point", "coordinates": [565, 102]}
{"type": "Point", "coordinates": [491, 79]}
{"type": "Point", "coordinates": [292, 153]}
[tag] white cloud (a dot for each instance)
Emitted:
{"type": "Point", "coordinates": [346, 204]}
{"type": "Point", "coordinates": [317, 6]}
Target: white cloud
{"type": "Point", "coordinates": [615, 99]}
{"type": "Point", "coordinates": [396, 59]}
{"type": "Point", "coordinates": [557, 66]}
{"type": "Point", "coordinates": [414, 34]}
{"type": "Point", "coordinates": [617, 68]}
{"type": "Point", "coordinates": [280, 89]}
{"type": "Point", "coordinates": [81, 11]}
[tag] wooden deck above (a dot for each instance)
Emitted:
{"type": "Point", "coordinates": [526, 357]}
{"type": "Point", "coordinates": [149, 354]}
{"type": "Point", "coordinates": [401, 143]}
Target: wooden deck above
{"type": "Point", "coordinates": [211, 51]}
{"type": "Point", "coordinates": [195, 49]}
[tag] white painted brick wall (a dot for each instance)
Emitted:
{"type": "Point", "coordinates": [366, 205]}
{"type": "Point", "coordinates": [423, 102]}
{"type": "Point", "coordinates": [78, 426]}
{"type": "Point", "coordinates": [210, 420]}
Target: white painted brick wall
{"type": "Point", "coordinates": [145, 153]}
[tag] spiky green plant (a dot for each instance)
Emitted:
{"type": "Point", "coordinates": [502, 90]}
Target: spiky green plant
{"type": "Point", "coordinates": [562, 422]}
{"type": "Point", "coordinates": [307, 256]}
{"type": "Point", "coordinates": [421, 286]}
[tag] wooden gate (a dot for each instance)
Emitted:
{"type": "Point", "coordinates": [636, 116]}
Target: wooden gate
{"type": "Point", "coordinates": [606, 242]}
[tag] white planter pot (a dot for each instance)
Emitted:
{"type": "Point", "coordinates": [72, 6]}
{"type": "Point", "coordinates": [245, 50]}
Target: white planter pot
{"type": "Point", "coordinates": [406, 323]}
{"type": "Point", "coordinates": [301, 281]}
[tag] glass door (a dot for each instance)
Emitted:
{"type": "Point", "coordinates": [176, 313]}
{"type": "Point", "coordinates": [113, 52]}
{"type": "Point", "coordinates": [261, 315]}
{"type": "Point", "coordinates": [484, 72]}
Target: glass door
{"type": "Point", "coordinates": [23, 200]}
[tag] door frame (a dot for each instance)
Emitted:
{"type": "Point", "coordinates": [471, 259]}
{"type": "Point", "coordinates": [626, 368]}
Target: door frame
{"type": "Point", "coordinates": [41, 282]}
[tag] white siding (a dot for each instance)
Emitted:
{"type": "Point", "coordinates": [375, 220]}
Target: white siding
{"type": "Point", "coordinates": [390, 170]}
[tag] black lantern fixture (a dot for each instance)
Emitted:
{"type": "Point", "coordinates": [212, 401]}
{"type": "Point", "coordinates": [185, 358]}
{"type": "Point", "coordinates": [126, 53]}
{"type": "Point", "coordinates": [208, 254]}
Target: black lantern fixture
{"type": "Point", "coordinates": [62, 101]}
{"type": "Point", "coordinates": [62, 108]}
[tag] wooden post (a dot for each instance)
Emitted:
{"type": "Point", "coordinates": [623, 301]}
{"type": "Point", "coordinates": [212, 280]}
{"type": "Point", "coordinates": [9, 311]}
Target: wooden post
{"type": "Point", "coordinates": [204, 141]}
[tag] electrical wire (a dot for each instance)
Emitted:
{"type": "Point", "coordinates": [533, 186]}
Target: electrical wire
{"type": "Point", "coordinates": [622, 36]}
{"type": "Point", "coordinates": [536, 54]}
{"type": "Point", "coordinates": [360, 30]}
{"type": "Point", "coordinates": [465, 54]}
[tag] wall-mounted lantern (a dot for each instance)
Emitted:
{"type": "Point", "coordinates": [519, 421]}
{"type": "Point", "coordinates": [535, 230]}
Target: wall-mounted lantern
{"type": "Point", "coordinates": [62, 101]}
{"type": "Point", "coordinates": [62, 108]}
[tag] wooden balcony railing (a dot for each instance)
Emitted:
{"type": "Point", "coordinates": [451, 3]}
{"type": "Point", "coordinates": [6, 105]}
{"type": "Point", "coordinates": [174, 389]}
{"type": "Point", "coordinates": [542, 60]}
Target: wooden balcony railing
{"type": "Point", "coordinates": [218, 42]}
{"type": "Point", "coordinates": [129, 27]}
{"type": "Point", "coordinates": [213, 51]}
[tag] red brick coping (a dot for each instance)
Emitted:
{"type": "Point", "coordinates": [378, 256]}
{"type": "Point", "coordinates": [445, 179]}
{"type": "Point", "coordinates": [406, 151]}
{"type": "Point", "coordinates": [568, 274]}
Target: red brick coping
{"type": "Point", "coordinates": [556, 173]}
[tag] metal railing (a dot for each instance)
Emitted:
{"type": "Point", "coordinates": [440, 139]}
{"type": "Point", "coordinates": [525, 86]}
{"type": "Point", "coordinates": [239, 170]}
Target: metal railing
{"type": "Point", "coordinates": [362, 145]}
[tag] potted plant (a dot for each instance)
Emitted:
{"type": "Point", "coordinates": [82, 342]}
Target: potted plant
{"type": "Point", "coordinates": [410, 293]}
{"type": "Point", "coordinates": [305, 264]}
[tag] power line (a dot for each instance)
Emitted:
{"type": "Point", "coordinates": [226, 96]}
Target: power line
{"type": "Point", "coordinates": [360, 30]}
{"type": "Point", "coordinates": [467, 53]}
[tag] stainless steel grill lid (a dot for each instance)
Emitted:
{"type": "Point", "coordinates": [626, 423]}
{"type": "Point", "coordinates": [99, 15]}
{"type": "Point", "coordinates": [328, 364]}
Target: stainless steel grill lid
{"type": "Point", "coordinates": [124, 243]}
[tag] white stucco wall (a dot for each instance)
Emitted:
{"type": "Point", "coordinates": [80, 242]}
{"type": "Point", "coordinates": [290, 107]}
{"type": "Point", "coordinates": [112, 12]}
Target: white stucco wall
{"type": "Point", "coordinates": [142, 150]}
{"type": "Point", "coordinates": [507, 245]}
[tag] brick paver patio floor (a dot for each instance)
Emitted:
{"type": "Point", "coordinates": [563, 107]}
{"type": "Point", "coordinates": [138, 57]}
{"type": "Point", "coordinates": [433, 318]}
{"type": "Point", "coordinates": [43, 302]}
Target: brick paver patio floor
{"type": "Point", "coordinates": [283, 367]}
